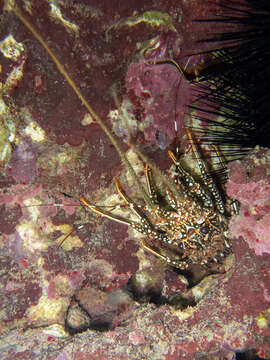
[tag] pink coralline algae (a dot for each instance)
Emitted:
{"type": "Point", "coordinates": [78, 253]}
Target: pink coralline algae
{"type": "Point", "coordinates": [230, 317]}
{"type": "Point", "coordinates": [99, 282]}
{"type": "Point", "coordinates": [23, 162]}
{"type": "Point", "coordinates": [131, 306]}
{"type": "Point", "coordinates": [164, 95]}
{"type": "Point", "coordinates": [250, 185]}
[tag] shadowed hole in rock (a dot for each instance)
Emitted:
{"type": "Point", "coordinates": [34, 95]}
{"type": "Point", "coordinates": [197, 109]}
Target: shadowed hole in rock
{"type": "Point", "coordinates": [169, 290]}
{"type": "Point", "coordinates": [99, 310]}
{"type": "Point", "coordinates": [247, 355]}
{"type": "Point", "coordinates": [78, 320]}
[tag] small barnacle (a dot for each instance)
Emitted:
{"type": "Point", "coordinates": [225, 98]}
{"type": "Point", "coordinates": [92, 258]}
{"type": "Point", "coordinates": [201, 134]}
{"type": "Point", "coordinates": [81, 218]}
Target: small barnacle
{"type": "Point", "coordinates": [36, 133]}
{"type": "Point", "coordinates": [8, 128]}
{"type": "Point", "coordinates": [10, 48]}
{"type": "Point", "coordinates": [56, 330]}
{"type": "Point", "coordinates": [77, 319]}
{"type": "Point", "coordinates": [57, 15]}
{"type": "Point", "coordinates": [263, 320]}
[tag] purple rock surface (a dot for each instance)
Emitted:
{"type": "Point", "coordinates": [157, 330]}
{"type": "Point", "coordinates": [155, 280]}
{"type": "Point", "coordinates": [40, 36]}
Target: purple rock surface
{"type": "Point", "coordinates": [59, 277]}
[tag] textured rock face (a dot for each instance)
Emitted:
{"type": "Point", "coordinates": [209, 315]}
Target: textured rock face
{"type": "Point", "coordinates": [99, 278]}
{"type": "Point", "coordinates": [250, 185]}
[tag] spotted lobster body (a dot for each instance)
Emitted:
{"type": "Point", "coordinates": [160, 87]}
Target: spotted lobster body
{"type": "Point", "coordinates": [184, 224]}
{"type": "Point", "coordinates": [188, 233]}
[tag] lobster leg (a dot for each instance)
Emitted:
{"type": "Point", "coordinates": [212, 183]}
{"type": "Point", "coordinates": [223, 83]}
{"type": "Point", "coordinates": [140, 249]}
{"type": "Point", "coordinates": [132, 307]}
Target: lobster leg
{"type": "Point", "coordinates": [98, 210]}
{"type": "Point", "coordinates": [207, 180]}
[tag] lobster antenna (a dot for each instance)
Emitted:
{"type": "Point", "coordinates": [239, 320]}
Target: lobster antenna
{"type": "Point", "coordinates": [171, 185]}
{"type": "Point", "coordinates": [61, 69]}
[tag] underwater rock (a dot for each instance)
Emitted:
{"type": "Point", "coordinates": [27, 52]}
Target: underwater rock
{"type": "Point", "coordinates": [250, 185]}
{"type": "Point", "coordinates": [39, 278]}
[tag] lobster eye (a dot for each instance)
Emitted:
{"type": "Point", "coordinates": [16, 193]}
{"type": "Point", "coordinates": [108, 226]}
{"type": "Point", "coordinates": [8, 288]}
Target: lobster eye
{"type": "Point", "coordinates": [204, 230]}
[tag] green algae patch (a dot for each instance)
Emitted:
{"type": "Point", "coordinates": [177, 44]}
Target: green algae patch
{"type": "Point", "coordinates": [153, 18]}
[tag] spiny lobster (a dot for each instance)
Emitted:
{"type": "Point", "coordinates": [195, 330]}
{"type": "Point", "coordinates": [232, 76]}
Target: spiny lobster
{"type": "Point", "coordinates": [187, 222]}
